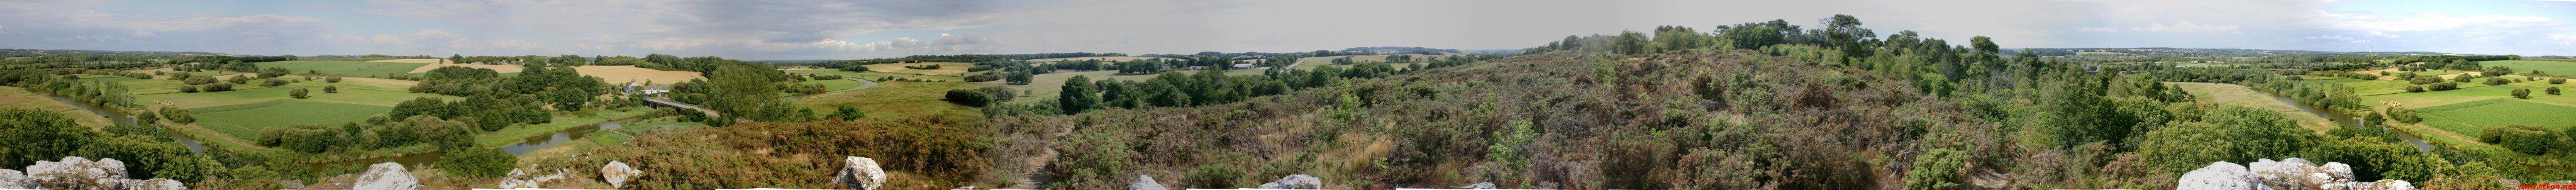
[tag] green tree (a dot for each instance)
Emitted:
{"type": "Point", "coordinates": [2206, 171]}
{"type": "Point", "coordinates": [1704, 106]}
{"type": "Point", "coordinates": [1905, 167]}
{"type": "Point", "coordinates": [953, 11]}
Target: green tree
{"type": "Point", "coordinates": [1937, 169]}
{"type": "Point", "coordinates": [968, 97]}
{"type": "Point", "coordinates": [2523, 93]}
{"type": "Point", "coordinates": [147, 158]}
{"type": "Point", "coordinates": [34, 135]}
{"type": "Point", "coordinates": [1629, 42]}
{"type": "Point", "coordinates": [478, 163]}
{"type": "Point", "coordinates": [299, 93]}
{"type": "Point", "coordinates": [331, 89]}
{"type": "Point", "coordinates": [1077, 95]}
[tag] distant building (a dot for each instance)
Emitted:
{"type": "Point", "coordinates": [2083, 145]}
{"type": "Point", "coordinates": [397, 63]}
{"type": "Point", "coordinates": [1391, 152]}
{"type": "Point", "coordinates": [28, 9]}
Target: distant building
{"type": "Point", "coordinates": [1242, 66]}
{"type": "Point", "coordinates": [1194, 68]}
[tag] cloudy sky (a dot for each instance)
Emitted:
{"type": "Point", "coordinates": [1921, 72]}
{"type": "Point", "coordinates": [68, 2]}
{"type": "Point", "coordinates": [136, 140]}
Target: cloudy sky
{"type": "Point", "coordinates": [802, 29]}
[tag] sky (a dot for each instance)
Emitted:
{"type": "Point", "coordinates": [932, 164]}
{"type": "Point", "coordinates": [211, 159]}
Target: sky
{"type": "Point", "coordinates": [853, 29]}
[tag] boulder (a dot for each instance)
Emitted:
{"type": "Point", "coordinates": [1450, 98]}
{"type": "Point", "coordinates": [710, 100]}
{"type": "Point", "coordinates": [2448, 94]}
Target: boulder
{"type": "Point", "coordinates": [1144, 182]}
{"type": "Point", "coordinates": [387, 176]}
{"type": "Point", "coordinates": [1484, 185]}
{"type": "Point", "coordinates": [2219, 175]}
{"type": "Point", "coordinates": [860, 173]}
{"type": "Point", "coordinates": [154, 184]}
{"type": "Point", "coordinates": [617, 172]}
{"type": "Point", "coordinates": [1299, 181]}
{"type": "Point", "coordinates": [2290, 173]}
{"type": "Point", "coordinates": [12, 179]}
{"type": "Point", "coordinates": [78, 173]}
{"type": "Point", "coordinates": [519, 178]}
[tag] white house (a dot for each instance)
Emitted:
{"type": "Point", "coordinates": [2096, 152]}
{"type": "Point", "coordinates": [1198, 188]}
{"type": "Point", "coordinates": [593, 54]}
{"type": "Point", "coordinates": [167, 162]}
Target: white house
{"type": "Point", "coordinates": [641, 89]}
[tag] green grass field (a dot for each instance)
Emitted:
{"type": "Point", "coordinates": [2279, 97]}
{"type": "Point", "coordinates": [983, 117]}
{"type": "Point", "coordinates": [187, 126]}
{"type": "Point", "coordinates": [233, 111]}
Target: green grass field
{"type": "Point", "coordinates": [2468, 118]}
{"type": "Point", "coordinates": [244, 121]}
{"type": "Point", "coordinates": [562, 120]}
{"type": "Point", "coordinates": [2561, 68]}
{"type": "Point", "coordinates": [833, 85]}
{"type": "Point", "coordinates": [945, 68]}
{"type": "Point", "coordinates": [2239, 95]}
{"type": "Point", "coordinates": [344, 68]}
{"type": "Point", "coordinates": [894, 99]}
{"type": "Point", "coordinates": [1046, 86]}
{"type": "Point", "coordinates": [881, 75]}
{"type": "Point", "coordinates": [351, 92]}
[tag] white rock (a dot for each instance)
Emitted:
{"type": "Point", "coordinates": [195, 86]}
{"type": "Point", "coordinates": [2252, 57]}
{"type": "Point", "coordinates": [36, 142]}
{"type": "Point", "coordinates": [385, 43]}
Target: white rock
{"type": "Point", "coordinates": [387, 176]}
{"type": "Point", "coordinates": [2218, 175]}
{"type": "Point", "coordinates": [1299, 181]}
{"type": "Point", "coordinates": [1144, 183]}
{"type": "Point", "coordinates": [1484, 185]}
{"type": "Point", "coordinates": [860, 173]}
{"type": "Point", "coordinates": [154, 184]}
{"type": "Point", "coordinates": [2279, 171]}
{"type": "Point", "coordinates": [12, 179]}
{"type": "Point", "coordinates": [2339, 170]}
{"type": "Point", "coordinates": [617, 172]}
{"type": "Point", "coordinates": [78, 173]}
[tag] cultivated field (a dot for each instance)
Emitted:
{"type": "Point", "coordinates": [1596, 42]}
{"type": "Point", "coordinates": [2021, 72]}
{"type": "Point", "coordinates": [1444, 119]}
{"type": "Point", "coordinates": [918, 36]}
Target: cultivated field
{"type": "Point", "coordinates": [894, 99]}
{"type": "Point", "coordinates": [2239, 95]}
{"type": "Point", "coordinates": [345, 68]}
{"type": "Point", "coordinates": [244, 121]}
{"type": "Point", "coordinates": [2561, 68]}
{"type": "Point", "coordinates": [621, 74]}
{"type": "Point", "coordinates": [944, 68]}
{"type": "Point", "coordinates": [1046, 86]}
{"type": "Point", "coordinates": [1113, 58]}
{"type": "Point", "coordinates": [833, 85]}
{"type": "Point", "coordinates": [2468, 118]}
{"type": "Point", "coordinates": [881, 75]}
{"type": "Point", "coordinates": [496, 68]}
{"type": "Point", "coordinates": [430, 61]}
{"type": "Point", "coordinates": [380, 92]}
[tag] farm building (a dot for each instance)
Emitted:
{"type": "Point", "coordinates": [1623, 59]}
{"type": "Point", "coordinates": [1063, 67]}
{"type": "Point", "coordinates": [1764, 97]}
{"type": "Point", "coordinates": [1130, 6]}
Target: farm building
{"type": "Point", "coordinates": [641, 89]}
{"type": "Point", "coordinates": [1242, 66]}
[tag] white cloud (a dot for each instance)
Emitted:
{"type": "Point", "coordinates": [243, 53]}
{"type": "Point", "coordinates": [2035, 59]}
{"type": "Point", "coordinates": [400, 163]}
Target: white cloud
{"type": "Point", "coordinates": [140, 33]}
{"type": "Point", "coordinates": [2563, 39]}
{"type": "Point", "coordinates": [2338, 38]}
{"type": "Point", "coordinates": [2096, 29]}
{"type": "Point", "coordinates": [2382, 34]}
{"type": "Point", "coordinates": [2430, 22]}
{"type": "Point", "coordinates": [2188, 27]}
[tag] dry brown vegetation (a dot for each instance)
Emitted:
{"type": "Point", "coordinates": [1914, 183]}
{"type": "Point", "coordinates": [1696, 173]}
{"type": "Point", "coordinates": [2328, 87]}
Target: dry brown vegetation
{"type": "Point", "coordinates": [1590, 121]}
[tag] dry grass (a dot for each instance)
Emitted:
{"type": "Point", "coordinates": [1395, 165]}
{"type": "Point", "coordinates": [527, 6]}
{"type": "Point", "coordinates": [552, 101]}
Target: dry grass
{"type": "Point", "coordinates": [625, 73]}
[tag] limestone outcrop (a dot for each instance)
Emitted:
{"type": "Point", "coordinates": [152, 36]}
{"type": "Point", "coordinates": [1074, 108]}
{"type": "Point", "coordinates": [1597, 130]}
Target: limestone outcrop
{"type": "Point", "coordinates": [860, 173]}
{"type": "Point", "coordinates": [2291, 173]}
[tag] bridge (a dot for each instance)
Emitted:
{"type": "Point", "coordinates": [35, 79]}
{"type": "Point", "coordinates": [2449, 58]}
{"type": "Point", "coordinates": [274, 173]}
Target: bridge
{"type": "Point", "coordinates": [674, 104]}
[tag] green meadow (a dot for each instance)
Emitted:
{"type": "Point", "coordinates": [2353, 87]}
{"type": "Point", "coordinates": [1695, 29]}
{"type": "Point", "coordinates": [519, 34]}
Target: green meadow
{"type": "Point", "coordinates": [345, 68]}
{"type": "Point", "coordinates": [244, 121]}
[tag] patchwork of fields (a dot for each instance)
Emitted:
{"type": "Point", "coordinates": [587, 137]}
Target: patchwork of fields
{"type": "Point", "coordinates": [2561, 68]}
{"type": "Point", "coordinates": [1048, 86]}
{"type": "Point", "coordinates": [894, 99]}
{"type": "Point", "coordinates": [2460, 115]}
{"type": "Point", "coordinates": [2468, 118]}
{"type": "Point", "coordinates": [346, 68]}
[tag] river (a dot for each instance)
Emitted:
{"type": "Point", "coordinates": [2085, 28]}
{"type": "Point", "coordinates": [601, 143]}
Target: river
{"type": "Point", "coordinates": [2349, 120]}
{"type": "Point", "coordinates": [121, 118]}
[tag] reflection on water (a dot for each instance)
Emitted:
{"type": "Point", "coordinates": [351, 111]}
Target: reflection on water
{"type": "Point", "coordinates": [532, 144]}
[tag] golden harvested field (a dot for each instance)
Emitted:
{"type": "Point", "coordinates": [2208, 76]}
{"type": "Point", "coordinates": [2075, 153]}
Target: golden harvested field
{"type": "Point", "coordinates": [1114, 58]}
{"type": "Point", "coordinates": [432, 61]}
{"type": "Point", "coordinates": [623, 73]}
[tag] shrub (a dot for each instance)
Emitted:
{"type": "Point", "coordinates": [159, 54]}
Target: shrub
{"type": "Point", "coordinates": [2557, 80]}
{"type": "Point", "coordinates": [198, 80]}
{"type": "Point", "coordinates": [2524, 139]}
{"type": "Point", "coordinates": [38, 135]}
{"type": "Point", "coordinates": [2522, 93]}
{"type": "Point", "coordinates": [1936, 169]}
{"type": "Point", "coordinates": [331, 89]}
{"type": "Point", "coordinates": [2442, 86]}
{"type": "Point", "coordinates": [188, 89]}
{"type": "Point", "coordinates": [478, 163]}
{"type": "Point", "coordinates": [969, 97]}
{"type": "Point", "coordinates": [332, 79]}
{"type": "Point", "coordinates": [2553, 90]}
{"type": "Point", "coordinates": [2498, 81]}
{"type": "Point", "coordinates": [218, 87]}
{"type": "Point", "coordinates": [299, 93]}
{"type": "Point", "coordinates": [2416, 88]}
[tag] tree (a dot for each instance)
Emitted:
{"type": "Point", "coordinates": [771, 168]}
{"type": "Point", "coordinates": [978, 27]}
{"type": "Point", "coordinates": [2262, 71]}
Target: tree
{"type": "Point", "coordinates": [299, 93]}
{"type": "Point", "coordinates": [1629, 42]}
{"type": "Point", "coordinates": [334, 79]}
{"type": "Point", "coordinates": [847, 113]}
{"type": "Point", "coordinates": [969, 97]}
{"type": "Point", "coordinates": [146, 157]}
{"type": "Point", "coordinates": [1077, 95]}
{"type": "Point", "coordinates": [2523, 93]}
{"type": "Point", "coordinates": [335, 89]}
{"type": "Point", "coordinates": [34, 135]}
{"type": "Point", "coordinates": [2553, 90]}
{"type": "Point", "coordinates": [478, 163]}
